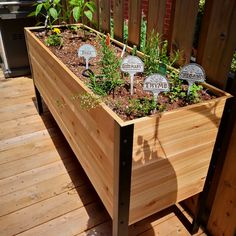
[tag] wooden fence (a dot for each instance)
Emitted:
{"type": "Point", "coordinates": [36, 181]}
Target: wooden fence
{"type": "Point", "coordinates": [216, 45]}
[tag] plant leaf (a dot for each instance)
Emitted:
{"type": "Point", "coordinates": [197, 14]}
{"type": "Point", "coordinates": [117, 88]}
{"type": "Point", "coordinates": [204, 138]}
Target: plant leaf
{"type": "Point", "coordinates": [76, 13]}
{"type": "Point", "coordinates": [53, 12]}
{"type": "Point", "coordinates": [89, 15]}
{"type": "Point", "coordinates": [56, 2]}
{"type": "Point", "coordinates": [38, 9]}
{"type": "Point", "coordinates": [90, 6]}
{"type": "Point", "coordinates": [31, 14]}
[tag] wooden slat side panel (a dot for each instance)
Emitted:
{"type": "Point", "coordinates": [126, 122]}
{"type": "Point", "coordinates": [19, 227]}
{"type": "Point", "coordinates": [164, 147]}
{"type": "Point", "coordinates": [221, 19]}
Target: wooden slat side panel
{"type": "Point", "coordinates": [91, 140]}
{"type": "Point", "coordinates": [156, 14]}
{"type": "Point", "coordinates": [217, 40]}
{"type": "Point", "coordinates": [168, 181]}
{"type": "Point", "coordinates": [223, 214]}
{"type": "Point", "coordinates": [105, 15]}
{"type": "Point", "coordinates": [134, 24]}
{"type": "Point", "coordinates": [118, 17]}
{"type": "Point", "coordinates": [183, 27]}
{"type": "Point", "coordinates": [172, 153]}
{"type": "Point", "coordinates": [176, 132]}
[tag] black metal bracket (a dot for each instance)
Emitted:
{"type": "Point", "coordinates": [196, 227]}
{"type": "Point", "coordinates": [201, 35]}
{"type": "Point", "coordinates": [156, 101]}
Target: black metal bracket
{"type": "Point", "coordinates": [122, 181]}
{"type": "Point", "coordinates": [39, 101]}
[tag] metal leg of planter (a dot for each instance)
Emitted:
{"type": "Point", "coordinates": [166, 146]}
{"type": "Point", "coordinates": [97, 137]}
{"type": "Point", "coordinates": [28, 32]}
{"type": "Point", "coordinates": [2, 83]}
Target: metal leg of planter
{"type": "Point", "coordinates": [220, 144]}
{"type": "Point", "coordinates": [122, 180]}
{"type": "Point", "coordinates": [39, 101]}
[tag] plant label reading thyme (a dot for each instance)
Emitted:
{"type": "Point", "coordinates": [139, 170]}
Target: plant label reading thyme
{"type": "Point", "coordinates": [132, 65]}
{"type": "Point", "coordinates": [156, 83]}
{"type": "Point", "coordinates": [192, 73]}
{"type": "Point", "coordinates": [87, 51]}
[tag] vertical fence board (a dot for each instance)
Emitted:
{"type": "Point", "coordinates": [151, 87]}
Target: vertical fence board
{"type": "Point", "coordinates": [134, 24]}
{"type": "Point", "coordinates": [217, 40]}
{"type": "Point", "coordinates": [118, 17]}
{"type": "Point", "coordinates": [96, 14]}
{"type": "Point", "coordinates": [222, 219]}
{"type": "Point", "coordinates": [105, 15]}
{"type": "Point", "coordinates": [156, 14]}
{"type": "Point", "coordinates": [183, 19]}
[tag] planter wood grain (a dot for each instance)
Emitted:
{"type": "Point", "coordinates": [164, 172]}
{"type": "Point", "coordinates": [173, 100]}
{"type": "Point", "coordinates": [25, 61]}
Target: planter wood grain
{"type": "Point", "coordinates": [169, 154]}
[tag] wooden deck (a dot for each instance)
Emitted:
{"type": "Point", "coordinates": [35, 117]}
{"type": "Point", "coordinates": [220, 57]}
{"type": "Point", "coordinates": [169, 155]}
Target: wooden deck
{"type": "Point", "coordinates": [43, 189]}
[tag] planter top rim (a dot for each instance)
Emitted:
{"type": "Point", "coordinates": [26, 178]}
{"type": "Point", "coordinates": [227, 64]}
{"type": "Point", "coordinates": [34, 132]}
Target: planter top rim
{"type": "Point", "coordinates": [220, 93]}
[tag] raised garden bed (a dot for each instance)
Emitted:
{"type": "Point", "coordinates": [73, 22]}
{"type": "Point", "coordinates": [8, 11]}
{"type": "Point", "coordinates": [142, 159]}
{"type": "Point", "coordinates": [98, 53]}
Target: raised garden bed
{"type": "Point", "coordinates": [143, 165]}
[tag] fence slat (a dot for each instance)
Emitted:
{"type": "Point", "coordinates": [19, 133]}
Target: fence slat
{"type": "Point", "coordinates": [96, 14]}
{"type": "Point", "coordinates": [156, 14]}
{"type": "Point", "coordinates": [217, 40]}
{"type": "Point", "coordinates": [118, 17]}
{"type": "Point", "coordinates": [134, 25]}
{"type": "Point", "coordinates": [183, 19]}
{"type": "Point", "coordinates": [105, 15]}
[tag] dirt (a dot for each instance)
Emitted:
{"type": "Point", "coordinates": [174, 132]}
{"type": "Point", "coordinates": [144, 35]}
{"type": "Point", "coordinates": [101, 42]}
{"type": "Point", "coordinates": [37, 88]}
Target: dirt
{"type": "Point", "coordinates": [119, 100]}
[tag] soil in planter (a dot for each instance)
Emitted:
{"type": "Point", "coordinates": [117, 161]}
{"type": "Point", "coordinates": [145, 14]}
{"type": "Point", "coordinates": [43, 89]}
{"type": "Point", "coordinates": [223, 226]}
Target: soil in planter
{"type": "Point", "coordinates": [120, 101]}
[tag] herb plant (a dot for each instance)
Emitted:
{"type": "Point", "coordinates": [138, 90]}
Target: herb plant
{"type": "Point", "coordinates": [110, 76]}
{"type": "Point", "coordinates": [194, 96]}
{"type": "Point", "coordinates": [140, 107]}
{"type": "Point", "coordinates": [55, 39]}
{"type": "Point", "coordinates": [110, 64]}
{"type": "Point", "coordinates": [156, 53]}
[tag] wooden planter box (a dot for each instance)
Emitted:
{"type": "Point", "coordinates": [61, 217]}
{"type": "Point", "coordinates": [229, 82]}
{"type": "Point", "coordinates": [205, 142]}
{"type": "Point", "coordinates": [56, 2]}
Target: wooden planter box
{"type": "Point", "coordinates": [137, 167]}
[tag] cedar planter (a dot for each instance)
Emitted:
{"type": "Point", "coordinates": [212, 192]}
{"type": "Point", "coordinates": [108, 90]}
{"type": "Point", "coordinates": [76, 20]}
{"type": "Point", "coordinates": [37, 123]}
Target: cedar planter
{"type": "Point", "coordinates": [137, 167]}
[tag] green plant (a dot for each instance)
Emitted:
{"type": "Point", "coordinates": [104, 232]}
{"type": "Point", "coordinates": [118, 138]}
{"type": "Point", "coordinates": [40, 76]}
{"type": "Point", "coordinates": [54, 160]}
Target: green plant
{"type": "Point", "coordinates": [96, 84]}
{"type": "Point", "coordinates": [55, 39]}
{"type": "Point", "coordinates": [143, 33]}
{"type": "Point", "coordinates": [176, 89]}
{"type": "Point", "coordinates": [156, 53]}
{"type": "Point", "coordinates": [194, 96]}
{"type": "Point", "coordinates": [110, 68]}
{"type": "Point", "coordinates": [49, 9]}
{"type": "Point", "coordinates": [81, 8]}
{"type": "Point", "coordinates": [140, 107]}
{"type": "Point", "coordinates": [152, 54]}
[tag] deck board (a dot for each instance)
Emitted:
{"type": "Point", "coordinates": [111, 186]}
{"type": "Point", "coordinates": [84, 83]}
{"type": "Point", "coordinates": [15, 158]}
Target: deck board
{"type": "Point", "coordinates": [43, 188]}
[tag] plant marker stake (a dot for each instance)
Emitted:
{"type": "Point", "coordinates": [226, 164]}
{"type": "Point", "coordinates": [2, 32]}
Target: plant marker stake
{"type": "Point", "coordinates": [156, 83]}
{"type": "Point", "coordinates": [87, 51]}
{"type": "Point", "coordinates": [189, 86]}
{"type": "Point", "coordinates": [131, 83]}
{"type": "Point", "coordinates": [132, 65]}
{"type": "Point", "coordinates": [123, 51]}
{"type": "Point", "coordinates": [192, 73]}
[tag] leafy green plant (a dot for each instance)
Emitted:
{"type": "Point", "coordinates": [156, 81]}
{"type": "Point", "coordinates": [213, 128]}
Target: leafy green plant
{"type": "Point", "coordinates": [81, 8]}
{"type": "Point", "coordinates": [176, 89]}
{"type": "Point", "coordinates": [55, 39]}
{"type": "Point", "coordinates": [141, 107]}
{"type": "Point", "coordinates": [194, 96]}
{"type": "Point", "coordinates": [49, 9]}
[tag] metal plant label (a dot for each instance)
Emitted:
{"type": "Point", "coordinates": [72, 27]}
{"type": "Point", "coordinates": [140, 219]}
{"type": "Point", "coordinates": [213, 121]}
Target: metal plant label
{"type": "Point", "coordinates": [192, 73]}
{"type": "Point", "coordinates": [132, 65]}
{"type": "Point", "coordinates": [87, 51]}
{"type": "Point", "coordinates": [156, 83]}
